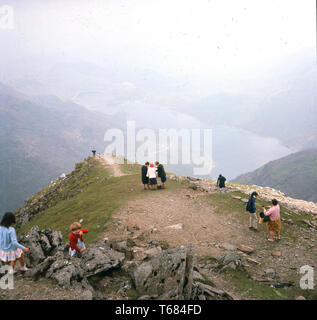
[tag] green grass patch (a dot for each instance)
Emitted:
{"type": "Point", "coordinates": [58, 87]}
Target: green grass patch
{"type": "Point", "coordinates": [261, 291]}
{"type": "Point", "coordinates": [128, 168]}
{"type": "Point", "coordinates": [101, 195]}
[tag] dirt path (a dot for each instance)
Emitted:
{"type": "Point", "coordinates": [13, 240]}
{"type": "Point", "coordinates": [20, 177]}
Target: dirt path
{"type": "Point", "coordinates": [178, 217]}
{"type": "Point", "coordinates": [110, 162]}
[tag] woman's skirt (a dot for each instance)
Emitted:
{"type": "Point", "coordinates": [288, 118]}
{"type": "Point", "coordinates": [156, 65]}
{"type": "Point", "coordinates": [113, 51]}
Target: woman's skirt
{"type": "Point", "coordinates": [274, 226]}
{"type": "Point", "coordinates": [6, 256]}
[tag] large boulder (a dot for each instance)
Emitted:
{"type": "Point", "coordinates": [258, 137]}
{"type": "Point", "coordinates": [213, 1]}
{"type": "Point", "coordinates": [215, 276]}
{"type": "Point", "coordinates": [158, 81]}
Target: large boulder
{"type": "Point", "coordinates": [96, 260]}
{"type": "Point", "coordinates": [49, 258]}
{"type": "Point", "coordinates": [41, 244]}
{"type": "Point", "coordinates": [167, 275]}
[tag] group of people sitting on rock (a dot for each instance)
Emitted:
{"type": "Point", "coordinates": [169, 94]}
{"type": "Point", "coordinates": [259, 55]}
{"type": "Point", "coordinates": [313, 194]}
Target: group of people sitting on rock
{"type": "Point", "coordinates": [269, 215]}
{"type": "Point", "coordinates": [150, 172]}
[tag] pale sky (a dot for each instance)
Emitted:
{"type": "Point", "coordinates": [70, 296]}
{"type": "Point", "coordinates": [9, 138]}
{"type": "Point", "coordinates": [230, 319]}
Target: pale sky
{"type": "Point", "coordinates": [173, 36]}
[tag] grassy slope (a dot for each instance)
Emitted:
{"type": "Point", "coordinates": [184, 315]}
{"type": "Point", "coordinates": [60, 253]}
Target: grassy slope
{"type": "Point", "coordinates": [101, 196]}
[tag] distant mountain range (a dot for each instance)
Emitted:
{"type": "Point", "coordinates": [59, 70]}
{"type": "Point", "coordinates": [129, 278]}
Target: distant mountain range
{"type": "Point", "coordinates": [40, 138]}
{"type": "Point", "coordinates": [281, 104]}
{"type": "Point", "coordinates": [295, 175]}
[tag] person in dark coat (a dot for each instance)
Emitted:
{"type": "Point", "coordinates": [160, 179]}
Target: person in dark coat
{"type": "Point", "coordinates": [161, 173]}
{"type": "Point", "coordinates": [145, 179]}
{"type": "Point", "coordinates": [252, 209]}
{"type": "Point", "coordinates": [221, 181]}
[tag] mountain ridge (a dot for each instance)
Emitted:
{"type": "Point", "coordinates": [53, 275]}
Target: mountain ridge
{"type": "Point", "coordinates": [143, 224]}
{"type": "Point", "coordinates": [295, 175]}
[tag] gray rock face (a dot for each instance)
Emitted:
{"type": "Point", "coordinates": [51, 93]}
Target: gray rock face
{"type": "Point", "coordinates": [49, 257]}
{"type": "Point", "coordinates": [41, 244]}
{"type": "Point", "coordinates": [231, 260]}
{"type": "Point", "coordinates": [70, 272]}
{"type": "Point", "coordinates": [96, 260]}
{"type": "Point", "coordinates": [164, 274]}
{"type": "Point", "coordinates": [167, 275]}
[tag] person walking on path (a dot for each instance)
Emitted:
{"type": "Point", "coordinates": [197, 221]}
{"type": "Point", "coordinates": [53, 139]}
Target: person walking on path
{"type": "Point", "coordinates": [145, 179]}
{"type": "Point", "coordinates": [10, 249]}
{"type": "Point", "coordinates": [252, 209]}
{"type": "Point", "coordinates": [221, 182]}
{"type": "Point", "coordinates": [151, 174]}
{"type": "Point", "coordinates": [161, 173]}
{"type": "Point", "coordinates": [274, 225]}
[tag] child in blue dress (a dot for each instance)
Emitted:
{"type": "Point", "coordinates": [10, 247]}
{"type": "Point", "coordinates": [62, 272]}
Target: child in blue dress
{"type": "Point", "coordinates": [10, 249]}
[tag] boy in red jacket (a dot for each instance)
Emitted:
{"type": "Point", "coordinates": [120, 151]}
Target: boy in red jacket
{"type": "Point", "coordinates": [76, 240]}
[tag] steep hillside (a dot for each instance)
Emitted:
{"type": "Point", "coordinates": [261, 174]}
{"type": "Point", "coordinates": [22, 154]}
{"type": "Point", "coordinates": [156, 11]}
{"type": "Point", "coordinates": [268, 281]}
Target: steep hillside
{"type": "Point", "coordinates": [295, 175]}
{"type": "Point", "coordinates": [40, 138]}
{"type": "Point", "coordinates": [230, 259]}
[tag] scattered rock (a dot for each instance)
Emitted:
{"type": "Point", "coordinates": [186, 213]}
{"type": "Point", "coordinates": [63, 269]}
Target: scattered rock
{"type": "Point", "coordinates": [253, 261]}
{"type": "Point", "coordinates": [231, 260]}
{"type": "Point", "coordinates": [270, 273]}
{"type": "Point", "coordinates": [300, 298]}
{"type": "Point", "coordinates": [276, 254]}
{"type": "Point", "coordinates": [178, 226]}
{"type": "Point", "coordinates": [228, 246]}
{"type": "Point", "coordinates": [246, 249]}
{"type": "Point", "coordinates": [244, 200]}
{"type": "Point", "coordinates": [153, 252]}
{"type": "Point", "coordinates": [263, 279]}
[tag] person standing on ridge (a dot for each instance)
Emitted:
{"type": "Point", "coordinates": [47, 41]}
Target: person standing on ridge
{"type": "Point", "coordinates": [145, 179]}
{"type": "Point", "coordinates": [252, 209]}
{"type": "Point", "coordinates": [274, 225]}
{"type": "Point", "coordinates": [161, 173]}
{"type": "Point", "coordinates": [221, 182]}
{"type": "Point", "coordinates": [151, 174]}
{"type": "Point", "coordinates": [10, 249]}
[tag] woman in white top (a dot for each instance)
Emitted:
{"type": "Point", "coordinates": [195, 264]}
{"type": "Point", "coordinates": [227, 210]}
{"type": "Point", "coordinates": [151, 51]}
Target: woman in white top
{"type": "Point", "coordinates": [151, 174]}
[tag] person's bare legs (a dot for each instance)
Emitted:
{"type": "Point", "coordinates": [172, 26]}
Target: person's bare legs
{"type": "Point", "coordinates": [163, 185]}
{"type": "Point", "coordinates": [21, 260]}
{"type": "Point", "coordinates": [278, 235]}
{"type": "Point", "coordinates": [271, 236]}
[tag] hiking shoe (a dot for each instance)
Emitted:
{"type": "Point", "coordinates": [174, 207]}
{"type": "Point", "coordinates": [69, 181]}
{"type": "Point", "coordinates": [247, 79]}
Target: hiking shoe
{"type": "Point", "coordinates": [23, 269]}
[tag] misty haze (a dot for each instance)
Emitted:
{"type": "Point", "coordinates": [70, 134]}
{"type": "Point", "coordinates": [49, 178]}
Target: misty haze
{"type": "Point", "coordinates": [73, 70]}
